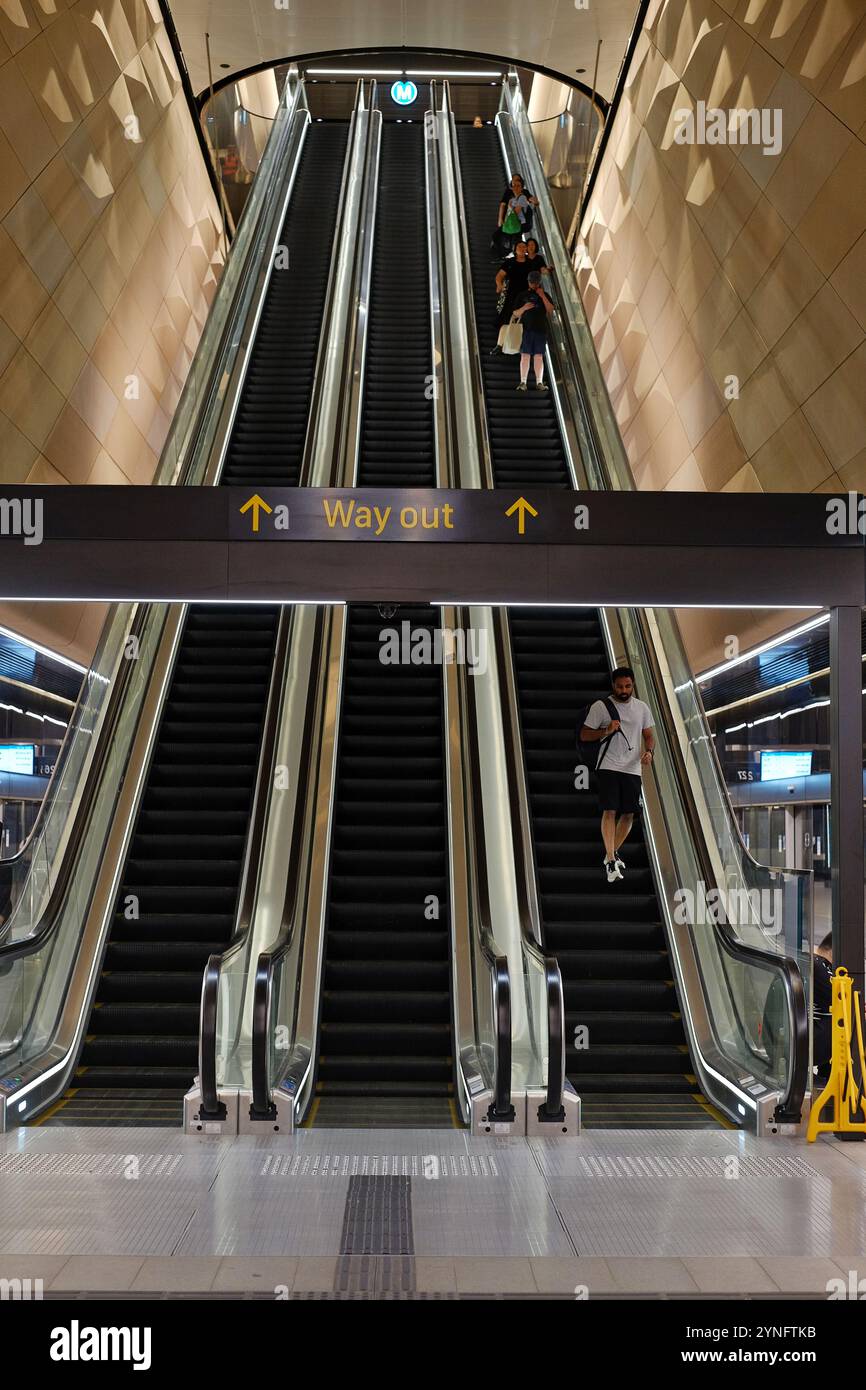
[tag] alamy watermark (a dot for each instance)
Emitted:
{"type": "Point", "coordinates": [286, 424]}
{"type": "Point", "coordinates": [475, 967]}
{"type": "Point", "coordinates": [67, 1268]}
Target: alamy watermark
{"type": "Point", "coordinates": [423, 646]}
{"type": "Point", "coordinates": [21, 1290]}
{"type": "Point", "coordinates": [846, 516]}
{"type": "Point", "coordinates": [77, 1343]}
{"type": "Point", "coordinates": [710, 125]}
{"type": "Point", "coordinates": [738, 907]}
{"type": "Point", "coordinates": [22, 516]}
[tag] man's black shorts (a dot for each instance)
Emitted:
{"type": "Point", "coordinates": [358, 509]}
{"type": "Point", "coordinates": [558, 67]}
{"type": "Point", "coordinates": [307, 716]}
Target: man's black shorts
{"type": "Point", "coordinates": [619, 791]}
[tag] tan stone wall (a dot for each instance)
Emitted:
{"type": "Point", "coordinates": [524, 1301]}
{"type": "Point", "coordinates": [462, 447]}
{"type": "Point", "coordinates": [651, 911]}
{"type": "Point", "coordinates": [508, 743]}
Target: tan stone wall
{"type": "Point", "coordinates": [109, 252]}
{"type": "Point", "coordinates": [702, 262]}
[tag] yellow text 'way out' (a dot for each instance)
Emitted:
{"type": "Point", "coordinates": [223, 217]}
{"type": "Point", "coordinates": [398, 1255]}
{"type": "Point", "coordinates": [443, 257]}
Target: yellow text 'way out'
{"type": "Point", "coordinates": [343, 516]}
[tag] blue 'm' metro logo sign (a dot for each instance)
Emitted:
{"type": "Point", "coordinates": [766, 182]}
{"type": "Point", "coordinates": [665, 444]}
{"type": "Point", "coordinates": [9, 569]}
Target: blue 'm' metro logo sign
{"type": "Point", "coordinates": [404, 93]}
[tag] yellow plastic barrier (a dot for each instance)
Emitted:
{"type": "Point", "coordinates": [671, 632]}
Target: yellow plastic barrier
{"type": "Point", "coordinates": [842, 1089]}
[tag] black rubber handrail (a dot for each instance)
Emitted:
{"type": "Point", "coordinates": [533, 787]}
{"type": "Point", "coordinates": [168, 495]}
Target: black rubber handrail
{"type": "Point", "coordinates": [262, 1106]}
{"type": "Point", "coordinates": [501, 1108]}
{"type": "Point", "coordinates": [24, 946]}
{"type": "Point", "coordinates": [211, 1106]}
{"type": "Point", "coordinates": [790, 1108]}
{"type": "Point", "coordinates": [552, 1109]}
{"type": "Point", "coordinates": [331, 307]}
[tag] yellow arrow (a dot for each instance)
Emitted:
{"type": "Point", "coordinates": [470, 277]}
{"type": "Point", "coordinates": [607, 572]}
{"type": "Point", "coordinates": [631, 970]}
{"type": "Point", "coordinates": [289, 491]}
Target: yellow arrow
{"type": "Point", "coordinates": [521, 506]}
{"type": "Point", "coordinates": [258, 505]}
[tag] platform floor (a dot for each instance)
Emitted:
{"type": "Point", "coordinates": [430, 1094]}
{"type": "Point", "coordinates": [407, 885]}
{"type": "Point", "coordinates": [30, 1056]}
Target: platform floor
{"type": "Point", "coordinates": [415, 1213]}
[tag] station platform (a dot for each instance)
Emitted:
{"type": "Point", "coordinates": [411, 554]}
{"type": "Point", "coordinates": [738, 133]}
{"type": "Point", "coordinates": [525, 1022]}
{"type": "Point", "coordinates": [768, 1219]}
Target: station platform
{"type": "Point", "coordinates": [404, 1214]}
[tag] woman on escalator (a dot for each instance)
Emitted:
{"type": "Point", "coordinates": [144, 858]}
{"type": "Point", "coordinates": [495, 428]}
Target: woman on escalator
{"type": "Point", "coordinates": [535, 261]}
{"type": "Point", "coordinates": [511, 281]}
{"type": "Point", "coordinates": [515, 212]}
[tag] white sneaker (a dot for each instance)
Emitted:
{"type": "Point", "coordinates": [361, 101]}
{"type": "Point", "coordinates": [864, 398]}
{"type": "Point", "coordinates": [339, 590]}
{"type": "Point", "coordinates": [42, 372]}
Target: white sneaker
{"type": "Point", "coordinates": [620, 864]}
{"type": "Point", "coordinates": [612, 869]}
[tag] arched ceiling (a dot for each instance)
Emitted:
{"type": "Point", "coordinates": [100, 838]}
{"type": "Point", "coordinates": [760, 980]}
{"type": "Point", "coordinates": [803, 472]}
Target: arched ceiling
{"type": "Point", "coordinates": [553, 34]}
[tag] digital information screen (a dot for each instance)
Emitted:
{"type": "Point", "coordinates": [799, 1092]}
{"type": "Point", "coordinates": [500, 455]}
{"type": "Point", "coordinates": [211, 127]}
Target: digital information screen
{"type": "Point", "coordinates": [779, 763]}
{"type": "Point", "coordinates": [16, 757]}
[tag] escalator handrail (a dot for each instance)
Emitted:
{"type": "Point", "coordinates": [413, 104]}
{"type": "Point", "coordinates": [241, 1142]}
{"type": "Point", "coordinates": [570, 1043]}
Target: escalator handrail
{"type": "Point", "coordinates": [530, 929]}
{"type": "Point", "coordinates": [482, 432]}
{"type": "Point", "coordinates": [444, 399]}
{"type": "Point", "coordinates": [331, 307]}
{"type": "Point", "coordinates": [269, 960]}
{"type": "Point", "coordinates": [737, 949]}
{"type": "Point", "coordinates": [531, 926]}
{"type": "Point", "coordinates": [744, 953]}
{"type": "Point", "coordinates": [209, 1010]}
{"type": "Point", "coordinates": [25, 946]}
{"type": "Point", "coordinates": [496, 962]}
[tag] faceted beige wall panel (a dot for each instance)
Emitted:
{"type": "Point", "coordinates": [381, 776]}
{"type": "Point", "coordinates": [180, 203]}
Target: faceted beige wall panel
{"type": "Point", "coordinates": [704, 262]}
{"type": "Point", "coordinates": [110, 250]}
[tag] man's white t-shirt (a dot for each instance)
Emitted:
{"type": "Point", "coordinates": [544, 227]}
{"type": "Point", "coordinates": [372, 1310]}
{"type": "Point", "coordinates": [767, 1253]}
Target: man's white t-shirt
{"type": "Point", "coordinates": [634, 716]}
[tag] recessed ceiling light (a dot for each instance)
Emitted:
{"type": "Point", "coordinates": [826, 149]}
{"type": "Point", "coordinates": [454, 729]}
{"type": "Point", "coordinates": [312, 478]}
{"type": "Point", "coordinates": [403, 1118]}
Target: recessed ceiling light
{"type": "Point", "coordinates": [355, 72]}
{"type": "Point", "coordinates": [453, 72]}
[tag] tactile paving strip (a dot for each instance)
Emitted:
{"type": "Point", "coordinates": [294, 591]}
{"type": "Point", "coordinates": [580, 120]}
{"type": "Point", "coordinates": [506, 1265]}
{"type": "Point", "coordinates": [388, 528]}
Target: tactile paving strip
{"type": "Point", "coordinates": [428, 1165]}
{"type": "Point", "coordinates": [93, 1165]}
{"type": "Point", "coordinates": [698, 1166]}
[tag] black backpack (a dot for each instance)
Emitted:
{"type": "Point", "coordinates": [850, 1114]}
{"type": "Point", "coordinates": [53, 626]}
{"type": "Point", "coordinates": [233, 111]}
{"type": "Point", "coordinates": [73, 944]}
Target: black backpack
{"type": "Point", "coordinates": [592, 753]}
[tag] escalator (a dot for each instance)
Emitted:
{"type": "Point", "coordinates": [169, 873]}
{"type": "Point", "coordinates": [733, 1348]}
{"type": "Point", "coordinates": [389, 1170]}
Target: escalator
{"type": "Point", "coordinates": [267, 441]}
{"type": "Point", "coordinates": [179, 890]}
{"type": "Point", "coordinates": [385, 1049]}
{"type": "Point", "coordinates": [608, 938]}
{"type": "Point", "coordinates": [525, 441]}
{"type": "Point", "coordinates": [397, 440]}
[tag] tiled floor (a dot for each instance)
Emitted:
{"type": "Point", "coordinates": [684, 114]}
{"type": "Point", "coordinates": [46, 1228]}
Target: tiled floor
{"type": "Point", "coordinates": [615, 1213]}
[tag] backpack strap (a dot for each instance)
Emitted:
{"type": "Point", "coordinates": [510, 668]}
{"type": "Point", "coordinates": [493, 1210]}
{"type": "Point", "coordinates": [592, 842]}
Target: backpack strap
{"type": "Point", "coordinates": [605, 742]}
